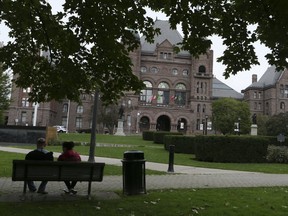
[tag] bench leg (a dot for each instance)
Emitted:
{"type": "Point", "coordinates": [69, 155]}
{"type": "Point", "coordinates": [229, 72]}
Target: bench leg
{"type": "Point", "coordinates": [89, 188]}
{"type": "Point", "coordinates": [25, 187]}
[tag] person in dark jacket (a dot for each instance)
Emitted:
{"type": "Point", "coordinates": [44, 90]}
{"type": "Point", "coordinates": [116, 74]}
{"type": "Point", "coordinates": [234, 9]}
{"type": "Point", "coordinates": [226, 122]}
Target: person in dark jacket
{"type": "Point", "coordinates": [69, 155]}
{"type": "Point", "coordinates": [40, 153]}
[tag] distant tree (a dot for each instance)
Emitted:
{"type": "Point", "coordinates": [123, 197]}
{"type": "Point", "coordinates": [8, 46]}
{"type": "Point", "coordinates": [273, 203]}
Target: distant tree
{"type": "Point", "coordinates": [261, 124]}
{"type": "Point", "coordinates": [227, 112]}
{"type": "Point", "coordinates": [5, 90]}
{"type": "Point", "coordinates": [277, 124]}
{"type": "Point", "coordinates": [107, 117]}
{"type": "Point", "coordinates": [89, 41]}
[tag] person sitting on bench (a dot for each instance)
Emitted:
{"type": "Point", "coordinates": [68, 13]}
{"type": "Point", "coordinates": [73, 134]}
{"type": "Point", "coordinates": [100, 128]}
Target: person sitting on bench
{"type": "Point", "coordinates": [69, 155]}
{"type": "Point", "coordinates": [39, 154]}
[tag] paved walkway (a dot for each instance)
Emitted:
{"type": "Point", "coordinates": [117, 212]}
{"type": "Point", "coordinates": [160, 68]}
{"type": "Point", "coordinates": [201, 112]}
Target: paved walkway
{"type": "Point", "coordinates": [183, 177]}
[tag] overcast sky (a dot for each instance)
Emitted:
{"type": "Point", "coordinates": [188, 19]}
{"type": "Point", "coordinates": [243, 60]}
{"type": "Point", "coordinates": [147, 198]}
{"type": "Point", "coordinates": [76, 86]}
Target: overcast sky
{"type": "Point", "coordinates": [237, 82]}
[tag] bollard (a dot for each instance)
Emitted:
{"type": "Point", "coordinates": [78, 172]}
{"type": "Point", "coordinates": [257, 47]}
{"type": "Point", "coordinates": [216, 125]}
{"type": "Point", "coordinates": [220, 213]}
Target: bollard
{"type": "Point", "coordinates": [171, 158]}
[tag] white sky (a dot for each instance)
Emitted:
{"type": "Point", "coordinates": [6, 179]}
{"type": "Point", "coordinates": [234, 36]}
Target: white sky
{"type": "Point", "coordinates": [237, 82]}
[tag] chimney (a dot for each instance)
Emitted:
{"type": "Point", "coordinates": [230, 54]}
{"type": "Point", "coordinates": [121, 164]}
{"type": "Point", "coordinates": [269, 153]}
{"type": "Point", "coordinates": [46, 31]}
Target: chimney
{"type": "Point", "coordinates": [254, 78]}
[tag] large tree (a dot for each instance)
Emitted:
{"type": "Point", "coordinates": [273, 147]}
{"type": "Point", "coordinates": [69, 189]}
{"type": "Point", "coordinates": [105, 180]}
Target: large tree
{"type": "Point", "coordinates": [227, 112]}
{"type": "Point", "coordinates": [88, 42]}
{"type": "Point", "coordinates": [5, 90]}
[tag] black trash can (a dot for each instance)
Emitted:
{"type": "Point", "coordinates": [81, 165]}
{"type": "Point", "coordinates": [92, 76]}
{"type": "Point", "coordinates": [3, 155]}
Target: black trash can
{"type": "Point", "coordinates": [133, 168]}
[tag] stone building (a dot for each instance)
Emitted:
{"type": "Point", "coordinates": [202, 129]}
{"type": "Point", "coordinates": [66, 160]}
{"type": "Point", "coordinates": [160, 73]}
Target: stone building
{"type": "Point", "coordinates": [269, 94]}
{"type": "Point", "coordinates": [178, 95]}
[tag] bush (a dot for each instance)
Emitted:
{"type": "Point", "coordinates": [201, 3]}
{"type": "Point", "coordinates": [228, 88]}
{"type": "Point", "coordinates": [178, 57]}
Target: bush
{"type": "Point", "coordinates": [183, 144]}
{"type": "Point", "coordinates": [148, 135]}
{"type": "Point", "coordinates": [277, 154]}
{"type": "Point", "coordinates": [158, 137]}
{"type": "Point", "coordinates": [236, 149]}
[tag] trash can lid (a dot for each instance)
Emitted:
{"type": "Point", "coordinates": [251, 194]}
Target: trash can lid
{"type": "Point", "coordinates": [134, 155]}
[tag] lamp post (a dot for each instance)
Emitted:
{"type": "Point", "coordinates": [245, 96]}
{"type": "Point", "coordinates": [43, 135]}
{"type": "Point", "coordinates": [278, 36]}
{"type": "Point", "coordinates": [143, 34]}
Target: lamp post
{"type": "Point", "coordinates": [239, 119]}
{"type": "Point", "coordinates": [137, 122]}
{"type": "Point", "coordinates": [206, 124]}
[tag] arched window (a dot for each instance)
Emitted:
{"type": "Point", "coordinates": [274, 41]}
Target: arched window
{"type": "Point", "coordinates": [282, 106]}
{"type": "Point", "coordinates": [146, 94]}
{"type": "Point", "coordinates": [202, 69]}
{"type": "Point", "coordinates": [198, 108]}
{"type": "Point", "coordinates": [281, 90]}
{"type": "Point", "coordinates": [180, 94]}
{"type": "Point", "coordinates": [79, 109]}
{"type": "Point", "coordinates": [163, 93]}
{"type": "Point", "coordinates": [65, 108]}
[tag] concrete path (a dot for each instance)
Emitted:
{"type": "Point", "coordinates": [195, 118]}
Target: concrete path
{"type": "Point", "coordinates": [183, 177]}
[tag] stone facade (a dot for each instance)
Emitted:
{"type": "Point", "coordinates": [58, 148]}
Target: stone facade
{"type": "Point", "coordinates": [269, 95]}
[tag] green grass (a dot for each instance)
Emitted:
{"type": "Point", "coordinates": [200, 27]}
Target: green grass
{"type": "Point", "coordinates": [204, 202]}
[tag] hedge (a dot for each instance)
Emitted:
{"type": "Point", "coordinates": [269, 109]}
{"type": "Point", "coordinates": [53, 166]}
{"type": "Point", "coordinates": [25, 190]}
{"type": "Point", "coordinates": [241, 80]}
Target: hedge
{"type": "Point", "coordinates": [236, 149]}
{"type": "Point", "coordinates": [183, 144]}
{"type": "Point", "coordinates": [158, 136]}
{"type": "Point", "coordinates": [148, 135]}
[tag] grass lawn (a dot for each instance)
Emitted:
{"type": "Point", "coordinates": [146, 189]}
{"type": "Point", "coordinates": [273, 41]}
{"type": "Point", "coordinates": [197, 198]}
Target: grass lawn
{"type": "Point", "coordinates": [271, 201]}
{"type": "Point", "coordinates": [204, 202]}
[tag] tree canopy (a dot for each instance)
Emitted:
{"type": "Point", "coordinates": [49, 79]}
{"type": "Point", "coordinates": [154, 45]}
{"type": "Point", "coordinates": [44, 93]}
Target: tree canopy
{"type": "Point", "coordinates": [5, 86]}
{"type": "Point", "coordinates": [227, 112]}
{"type": "Point", "coordinates": [89, 41]}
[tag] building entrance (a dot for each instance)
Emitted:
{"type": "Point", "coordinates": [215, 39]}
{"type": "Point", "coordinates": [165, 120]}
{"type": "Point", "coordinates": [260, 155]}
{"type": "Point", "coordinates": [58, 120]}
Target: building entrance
{"type": "Point", "coordinates": [163, 123]}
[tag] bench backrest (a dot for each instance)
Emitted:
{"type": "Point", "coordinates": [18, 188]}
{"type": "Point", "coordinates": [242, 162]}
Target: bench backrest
{"type": "Point", "coordinates": [24, 170]}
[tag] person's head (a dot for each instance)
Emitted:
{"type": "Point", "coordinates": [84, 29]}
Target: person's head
{"type": "Point", "coordinates": [41, 143]}
{"type": "Point", "coordinates": [68, 145]}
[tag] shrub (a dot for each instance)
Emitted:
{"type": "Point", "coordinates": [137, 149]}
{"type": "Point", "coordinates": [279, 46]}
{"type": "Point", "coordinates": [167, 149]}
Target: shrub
{"type": "Point", "coordinates": [237, 149]}
{"type": "Point", "coordinates": [183, 144]}
{"type": "Point", "coordinates": [277, 154]}
{"type": "Point", "coordinates": [158, 137]}
{"type": "Point", "coordinates": [148, 135]}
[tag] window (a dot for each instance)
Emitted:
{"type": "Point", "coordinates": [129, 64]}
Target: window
{"type": "Point", "coordinates": [180, 94]}
{"type": "Point", "coordinates": [79, 109]}
{"type": "Point", "coordinates": [259, 95]}
{"type": "Point", "coordinates": [163, 93]}
{"type": "Point", "coordinates": [202, 69]}
{"type": "Point", "coordinates": [65, 108]}
{"type": "Point", "coordinates": [27, 90]}
{"type": "Point", "coordinates": [174, 71]}
{"type": "Point", "coordinates": [281, 91]}
{"type": "Point", "coordinates": [78, 122]}
{"type": "Point", "coordinates": [146, 94]}
{"type": "Point", "coordinates": [255, 105]}
{"type": "Point", "coordinates": [282, 106]}
{"type": "Point", "coordinates": [165, 55]}
{"type": "Point", "coordinates": [259, 106]}
{"type": "Point", "coordinates": [254, 95]}
{"type": "Point", "coordinates": [25, 102]}
{"type": "Point", "coordinates": [197, 87]}
{"type": "Point", "coordinates": [154, 70]}
{"type": "Point", "coordinates": [198, 108]}
{"type": "Point", "coordinates": [286, 91]}
{"type": "Point", "coordinates": [64, 121]}
{"type": "Point", "coordinates": [23, 117]}
{"type": "Point", "coordinates": [198, 124]}
{"type": "Point", "coordinates": [204, 108]}
{"type": "Point", "coordinates": [143, 69]}
{"type": "Point", "coordinates": [185, 72]}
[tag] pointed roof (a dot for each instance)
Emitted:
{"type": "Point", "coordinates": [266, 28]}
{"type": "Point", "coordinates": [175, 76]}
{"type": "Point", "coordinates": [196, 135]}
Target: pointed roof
{"type": "Point", "coordinates": [269, 78]}
{"type": "Point", "coordinates": [221, 90]}
{"type": "Point", "coordinates": [166, 33]}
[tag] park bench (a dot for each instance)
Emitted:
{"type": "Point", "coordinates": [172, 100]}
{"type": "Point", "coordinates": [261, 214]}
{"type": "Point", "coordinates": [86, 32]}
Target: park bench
{"type": "Point", "coordinates": [29, 170]}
